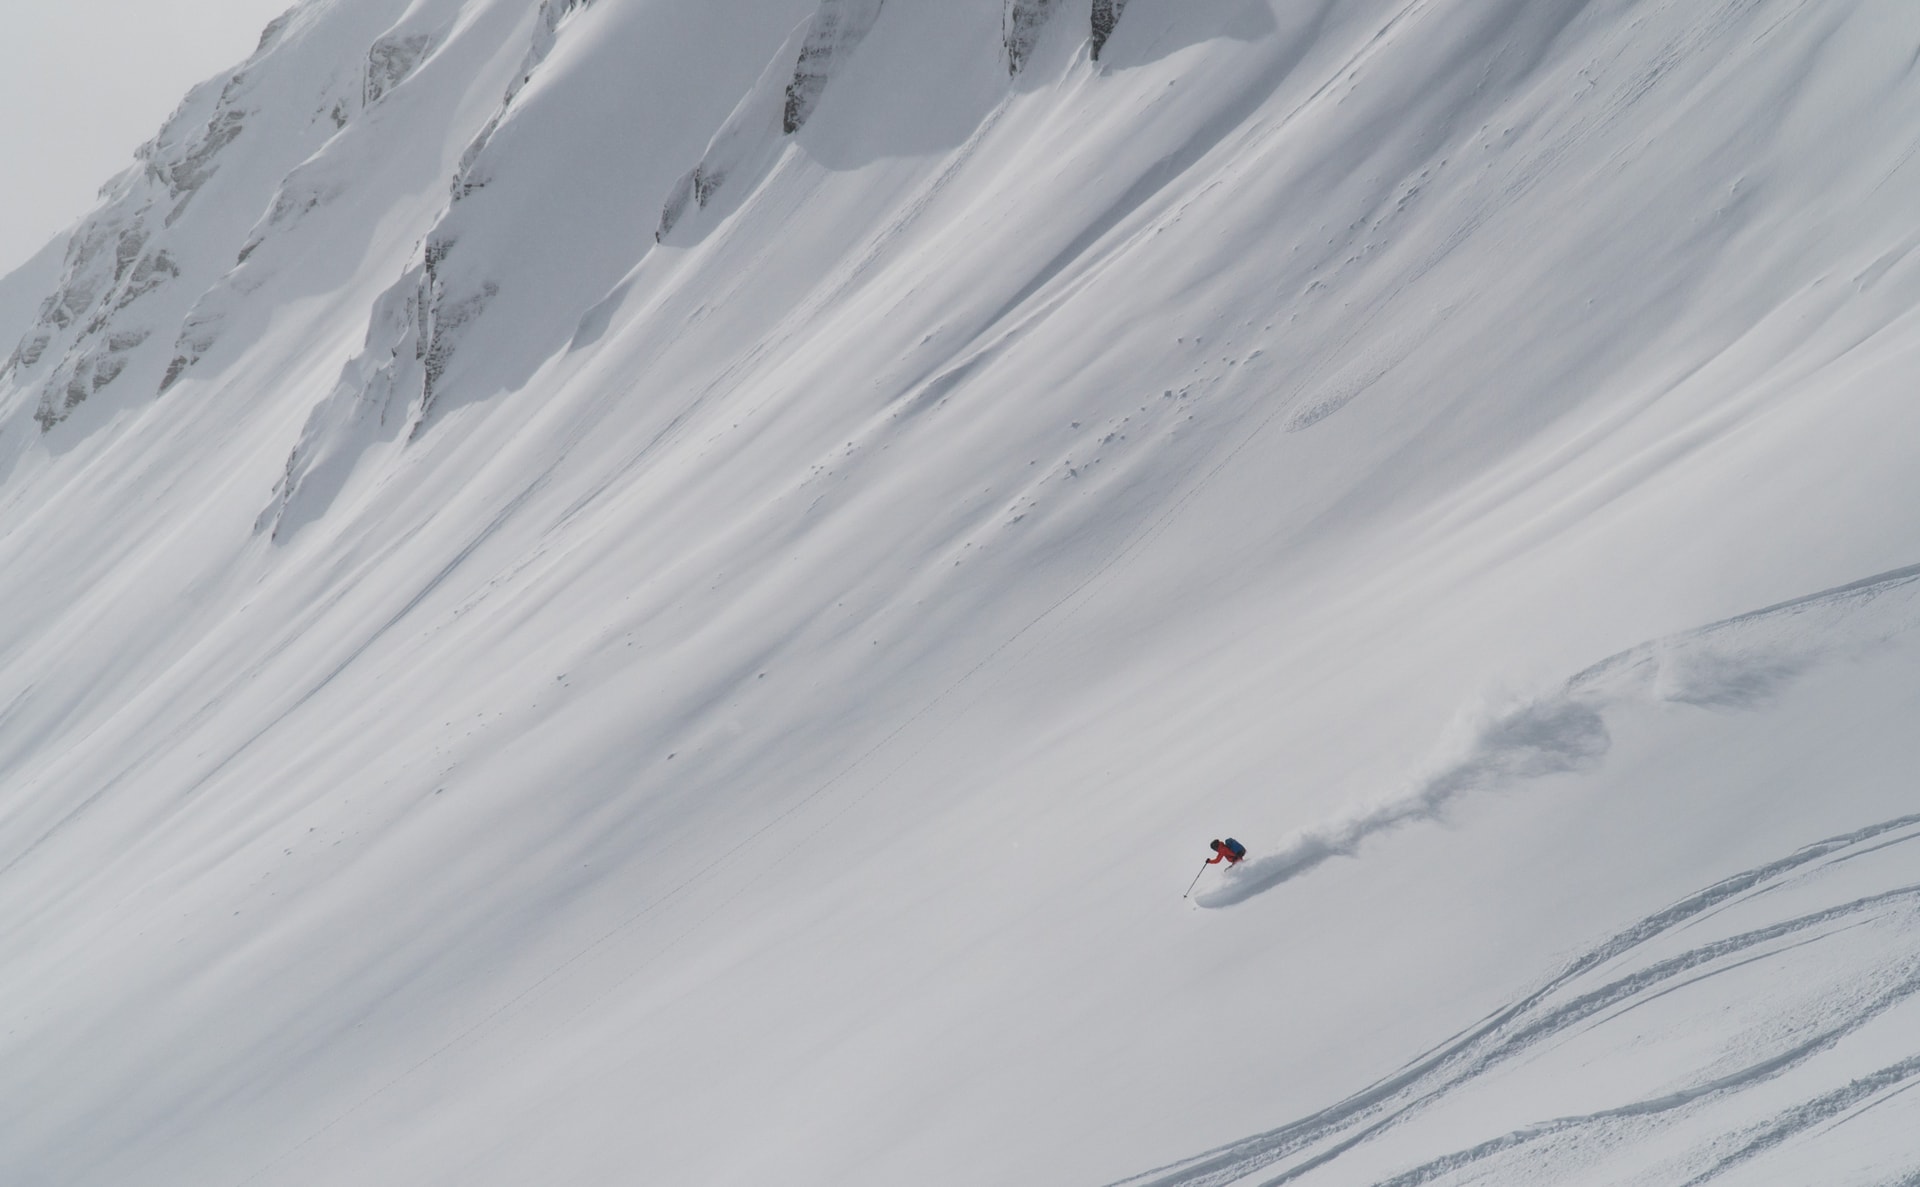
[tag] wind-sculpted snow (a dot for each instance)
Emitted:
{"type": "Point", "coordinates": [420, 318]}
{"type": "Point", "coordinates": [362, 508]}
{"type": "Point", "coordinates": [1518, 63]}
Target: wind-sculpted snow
{"type": "Point", "coordinates": [342, 167]}
{"type": "Point", "coordinates": [388, 388]}
{"type": "Point", "coordinates": [741, 152]}
{"type": "Point", "coordinates": [473, 173]}
{"type": "Point", "coordinates": [777, 106]}
{"type": "Point", "coordinates": [471, 258]}
{"type": "Point", "coordinates": [1736, 664]}
{"type": "Point", "coordinates": [447, 306]}
{"type": "Point", "coordinates": [535, 702]}
{"type": "Point", "coordinates": [372, 402]}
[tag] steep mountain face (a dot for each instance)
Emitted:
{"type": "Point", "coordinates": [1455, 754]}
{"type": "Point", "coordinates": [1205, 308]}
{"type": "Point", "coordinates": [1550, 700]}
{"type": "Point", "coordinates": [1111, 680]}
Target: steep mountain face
{"type": "Point", "coordinates": [638, 590]}
{"type": "Point", "coordinates": [177, 218]}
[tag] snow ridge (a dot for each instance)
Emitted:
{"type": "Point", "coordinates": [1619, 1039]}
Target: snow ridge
{"type": "Point", "coordinates": [178, 220]}
{"type": "Point", "coordinates": [415, 327]}
{"type": "Point", "coordinates": [837, 29]}
{"type": "Point", "coordinates": [777, 106]}
{"type": "Point", "coordinates": [472, 174]}
{"type": "Point", "coordinates": [369, 404]}
{"type": "Point", "coordinates": [121, 265]}
{"type": "Point", "coordinates": [744, 148]}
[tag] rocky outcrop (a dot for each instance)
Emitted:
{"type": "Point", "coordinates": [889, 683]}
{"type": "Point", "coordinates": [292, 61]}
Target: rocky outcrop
{"type": "Point", "coordinates": [1021, 23]}
{"type": "Point", "coordinates": [369, 404]}
{"type": "Point", "coordinates": [443, 318]}
{"type": "Point", "coordinates": [837, 29]}
{"type": "Point", "coordinates": [120, 262]}
{"type": "Point", "coordinates": [390, 391]}
{"type": "Point", "coordinates": [546, 31]}
{"type": "Point", "coordinates": [473, 173]}
{"type": "Point", "coordinates": [777, 106]}
{"type": "Point", "coordinates": [746, 144]}
{"type": "Point", "coordinates": [448, 305]}
{"type": "Point", "coordinates": [166, 229]}
{"type": "Point", "coordinates": [392, 59]}
{"type": "Point", "coordinates": [311, 184]}
{"type": "Point", "coordinates": [1106, 15]}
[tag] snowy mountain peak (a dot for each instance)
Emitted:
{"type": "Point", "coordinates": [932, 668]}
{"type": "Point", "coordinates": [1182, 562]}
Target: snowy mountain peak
{"type": "Point", "coordinates": [177, 222]}
{"type": "Point", "coordinates": [121, 262]}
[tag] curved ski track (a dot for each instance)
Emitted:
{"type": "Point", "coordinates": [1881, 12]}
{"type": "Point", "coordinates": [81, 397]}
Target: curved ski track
{"type": "Point", "coordinates": [1623, 973]}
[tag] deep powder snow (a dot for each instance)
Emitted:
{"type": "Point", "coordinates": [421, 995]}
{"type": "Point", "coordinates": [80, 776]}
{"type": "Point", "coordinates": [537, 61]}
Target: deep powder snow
{"type": "Point", "coordinates": [656, 591]}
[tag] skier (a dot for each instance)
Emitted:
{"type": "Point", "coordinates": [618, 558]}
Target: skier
{"type": "Point", "coordinates": [1229, 850]}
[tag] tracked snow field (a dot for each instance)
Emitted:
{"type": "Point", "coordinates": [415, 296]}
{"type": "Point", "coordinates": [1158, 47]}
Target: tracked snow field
{"type": "Point", "coordinates": [615, 591]}
{"type": "Point", "coordinates": [1747, 1023]}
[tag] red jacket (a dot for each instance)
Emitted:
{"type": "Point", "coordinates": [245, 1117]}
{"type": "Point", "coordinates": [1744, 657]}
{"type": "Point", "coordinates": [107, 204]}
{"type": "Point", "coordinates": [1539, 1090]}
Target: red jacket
{"type": "Point", "coordinates": [1219, 852]}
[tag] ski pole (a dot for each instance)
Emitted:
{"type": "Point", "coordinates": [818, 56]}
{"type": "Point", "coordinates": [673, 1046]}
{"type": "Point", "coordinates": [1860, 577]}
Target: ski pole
{"type": "Point", "coordinates": [1196, 879]}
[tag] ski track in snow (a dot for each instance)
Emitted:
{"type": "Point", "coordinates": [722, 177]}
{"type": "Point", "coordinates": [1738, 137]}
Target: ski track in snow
{"type": "Point", "coordinates": [1597, 988]}
{"type": "Point", "coordinates": [876, 443]}
{"type": "Point", "coordinates": [1734, 664]}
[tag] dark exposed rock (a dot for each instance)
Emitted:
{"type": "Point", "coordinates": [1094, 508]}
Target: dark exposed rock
{"type": "Point", "coordinates": [128, 249]}
{"type": "Point", "coordinates": [441, 319]}
{"type": "Point", "coordinates": [446, 322]}
{"type": "Point", "coordinates": [1106, 14]}
{"type": "Point", "coordinates": [186, 175]}
{"type": "Point", "coordinates": [152, 272]}
{"type": "Point", "coordinates": [1021, 22]}
{"type": "Point", "coordinates": [175, 370]}
{"type": "Point", "coordinates": [391, 60]}
{"type": "Point", "coordinates": [837, 29]}
{"type": "Point", "coordinates": [694, 189]}
{"type": "Point", "coordinates": [31, 348]}
{"type": "Point", "coordinates": [270, 35]}
{"type": "Point", "coordinates": [107, 370]}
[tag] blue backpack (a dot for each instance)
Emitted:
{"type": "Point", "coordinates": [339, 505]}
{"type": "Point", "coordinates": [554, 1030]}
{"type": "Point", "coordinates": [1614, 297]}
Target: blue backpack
{"type": "Point", "coordinates": [1236, 848]}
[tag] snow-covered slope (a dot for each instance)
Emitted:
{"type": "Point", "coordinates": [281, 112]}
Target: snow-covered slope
{"type": "Point", "coordinates": [671, 592]}
{"type": "Point", "coordinates": [1741, 1031]}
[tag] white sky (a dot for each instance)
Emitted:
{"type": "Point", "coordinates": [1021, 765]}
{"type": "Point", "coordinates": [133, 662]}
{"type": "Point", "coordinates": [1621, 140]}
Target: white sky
{"type": "Point", "coordinates": [85, 82]}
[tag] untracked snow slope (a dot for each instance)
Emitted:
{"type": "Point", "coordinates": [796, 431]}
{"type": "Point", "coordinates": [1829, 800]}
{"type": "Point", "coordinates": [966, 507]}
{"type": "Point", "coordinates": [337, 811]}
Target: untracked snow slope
{"type": "Point", "coordinates": [647, 591]}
